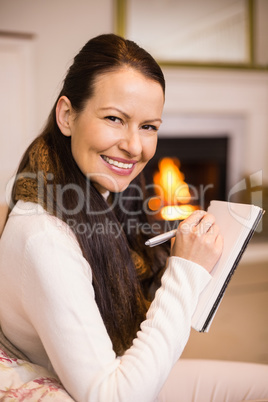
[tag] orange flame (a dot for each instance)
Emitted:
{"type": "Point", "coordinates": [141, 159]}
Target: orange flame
{"type": "Point", "coordinates": [170, 182]}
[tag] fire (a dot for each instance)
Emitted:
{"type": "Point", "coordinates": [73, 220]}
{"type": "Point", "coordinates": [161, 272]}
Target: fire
{"type": "Point", "coordinates": [170, 186]}
{"type": "Point", "coordinates": [177, 212]}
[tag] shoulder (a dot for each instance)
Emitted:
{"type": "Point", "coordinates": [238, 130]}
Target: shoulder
{"type": "Point", "coordinates": [43, 242]}
{"type": "Point", "coordinates": [31, 228]}
{"type": "Point", "coordinates": [31, 219]}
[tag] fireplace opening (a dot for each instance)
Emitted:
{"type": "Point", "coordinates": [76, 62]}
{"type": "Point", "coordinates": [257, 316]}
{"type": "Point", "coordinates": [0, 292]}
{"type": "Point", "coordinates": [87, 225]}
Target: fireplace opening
{"type": "Point", "coordinates": [201, 163]}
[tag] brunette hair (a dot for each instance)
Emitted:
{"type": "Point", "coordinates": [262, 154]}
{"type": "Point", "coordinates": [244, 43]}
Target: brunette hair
{"type": "Point", "coordinates": [120, 290]}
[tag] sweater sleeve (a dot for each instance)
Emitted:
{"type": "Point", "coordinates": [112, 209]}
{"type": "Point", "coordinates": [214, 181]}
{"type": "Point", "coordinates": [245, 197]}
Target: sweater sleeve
{"type": "Point", "coordinates": [58, 299]}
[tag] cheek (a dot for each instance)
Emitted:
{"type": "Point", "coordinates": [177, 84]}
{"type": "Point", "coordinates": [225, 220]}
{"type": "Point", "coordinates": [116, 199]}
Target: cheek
{"type": "Point", "coordinates": [84, 142]}
{"type": "Point", "coordinates": [149, 148]}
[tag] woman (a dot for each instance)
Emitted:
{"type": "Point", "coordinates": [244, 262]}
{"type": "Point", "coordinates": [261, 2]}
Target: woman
{"type": "Point", "coordinates": [77, 294]}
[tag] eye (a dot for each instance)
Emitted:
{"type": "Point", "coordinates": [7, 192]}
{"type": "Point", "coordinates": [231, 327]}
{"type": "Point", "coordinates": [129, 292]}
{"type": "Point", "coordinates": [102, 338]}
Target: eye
{"type": "Point", "coordinates": [114, 119]}
{"type": "Point", "coordinates": [149, 127]}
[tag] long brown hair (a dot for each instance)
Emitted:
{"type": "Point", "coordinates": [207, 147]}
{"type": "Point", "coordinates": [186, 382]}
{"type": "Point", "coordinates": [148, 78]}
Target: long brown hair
{"type": "Point", "coordinates": [120, 289]}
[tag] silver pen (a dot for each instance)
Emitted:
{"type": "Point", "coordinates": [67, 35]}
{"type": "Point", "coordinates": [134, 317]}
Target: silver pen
{"type": "Point", "coordinates": [162, 238]}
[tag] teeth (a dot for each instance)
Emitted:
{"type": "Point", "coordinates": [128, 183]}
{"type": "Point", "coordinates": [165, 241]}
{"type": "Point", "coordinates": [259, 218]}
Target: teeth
{"type": "Point", "coordinates": [118, 164]}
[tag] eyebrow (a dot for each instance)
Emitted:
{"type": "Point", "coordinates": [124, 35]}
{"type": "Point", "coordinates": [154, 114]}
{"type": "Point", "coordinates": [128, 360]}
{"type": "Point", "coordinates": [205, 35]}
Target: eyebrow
{"type": "Point", "coordinates": [127, 116]}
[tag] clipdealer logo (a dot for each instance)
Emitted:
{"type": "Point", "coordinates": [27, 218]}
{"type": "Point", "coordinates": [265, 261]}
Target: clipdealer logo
{"type": "Point", "coordinates": [253, 185]}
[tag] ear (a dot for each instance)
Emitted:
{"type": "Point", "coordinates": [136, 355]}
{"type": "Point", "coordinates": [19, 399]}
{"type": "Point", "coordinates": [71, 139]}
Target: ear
{"type": "Point", "coordinates": [64, 112]}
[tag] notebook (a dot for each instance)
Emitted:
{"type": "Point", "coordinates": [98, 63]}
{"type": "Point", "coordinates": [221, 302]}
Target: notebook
{"type": "Point", "coordinates": [237, 223]}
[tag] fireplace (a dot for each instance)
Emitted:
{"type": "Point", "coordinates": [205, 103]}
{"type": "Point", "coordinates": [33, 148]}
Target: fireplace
{"type": "Point", "coordinates": [202, 161]}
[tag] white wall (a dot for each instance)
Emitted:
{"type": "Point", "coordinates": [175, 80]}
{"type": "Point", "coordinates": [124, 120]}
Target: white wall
{"type": "Point", "coordinates": [61, 28]}
{"type": "Point", "coordinates": [17, 104]}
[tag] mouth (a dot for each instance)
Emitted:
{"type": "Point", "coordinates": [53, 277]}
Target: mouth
{"type": "Point", "coordinates": [118, 163]}
{"type": "Point", "coordinates": [119, 166]}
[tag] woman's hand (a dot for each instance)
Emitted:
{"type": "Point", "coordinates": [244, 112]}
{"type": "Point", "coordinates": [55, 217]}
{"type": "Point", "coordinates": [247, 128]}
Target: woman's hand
{"type": "Point", "coordinates": [198, 240]}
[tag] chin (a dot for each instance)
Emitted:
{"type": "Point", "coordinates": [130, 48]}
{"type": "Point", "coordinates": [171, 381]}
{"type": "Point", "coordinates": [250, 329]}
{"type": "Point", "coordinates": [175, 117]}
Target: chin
{"type": "Point", "coordinates": [118, 189]}
{"type": "Point", "coordinates": [111, 185]}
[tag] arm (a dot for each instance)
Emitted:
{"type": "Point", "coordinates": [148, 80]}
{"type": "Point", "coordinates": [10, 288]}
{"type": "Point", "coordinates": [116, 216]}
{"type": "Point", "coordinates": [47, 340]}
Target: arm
{"type": "Point", "coordinates": [58, 298]}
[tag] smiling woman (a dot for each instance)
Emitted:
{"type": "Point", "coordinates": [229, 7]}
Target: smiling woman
{"type": "Point", "coordinates": [124, 114]}
{"type": "Point", "coordinates": [80, 293]}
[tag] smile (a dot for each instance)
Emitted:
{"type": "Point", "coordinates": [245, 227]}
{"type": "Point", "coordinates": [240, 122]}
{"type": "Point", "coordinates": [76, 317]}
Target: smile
{"type": "Point", "coordinates": [118, 164]}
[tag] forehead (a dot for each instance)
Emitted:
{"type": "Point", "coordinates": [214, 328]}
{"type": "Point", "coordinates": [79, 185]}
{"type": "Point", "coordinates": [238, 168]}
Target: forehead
{"type": "Point", "coordinates": [127, 84]}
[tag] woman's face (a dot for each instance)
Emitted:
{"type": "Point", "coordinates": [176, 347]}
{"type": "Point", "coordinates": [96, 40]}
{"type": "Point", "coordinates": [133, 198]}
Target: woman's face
{"type": "Point", "coordinates": [115, 135]}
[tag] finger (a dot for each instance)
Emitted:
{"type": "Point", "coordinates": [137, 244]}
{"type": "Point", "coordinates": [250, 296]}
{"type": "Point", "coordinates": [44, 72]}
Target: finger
{"type": "Point", "coordinates": [211, 236]}
{"type": "Point", "coordinates": [205, 224]}
{"type": "Point", "coordinates": [191, 222]}
{"type": "Point", "coordinates": [219, 243]}
{"type": "Point", "coordinates": [214, 230]}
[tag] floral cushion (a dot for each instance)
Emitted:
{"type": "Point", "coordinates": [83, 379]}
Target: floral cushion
{"type": "Point", "coordinates": [24, 381]}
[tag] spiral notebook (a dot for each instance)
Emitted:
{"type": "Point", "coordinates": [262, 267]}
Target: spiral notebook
{"type": "Point", "coordinates": [237, 223]}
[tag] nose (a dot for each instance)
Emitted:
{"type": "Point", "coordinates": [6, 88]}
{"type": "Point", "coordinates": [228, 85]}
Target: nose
{"type": "Point", "coordinates": [130, 142]}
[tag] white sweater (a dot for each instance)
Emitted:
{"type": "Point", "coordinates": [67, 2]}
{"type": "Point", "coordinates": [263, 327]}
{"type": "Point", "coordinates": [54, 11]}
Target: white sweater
{"type": "Point", "coordinates": [48, 311]}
